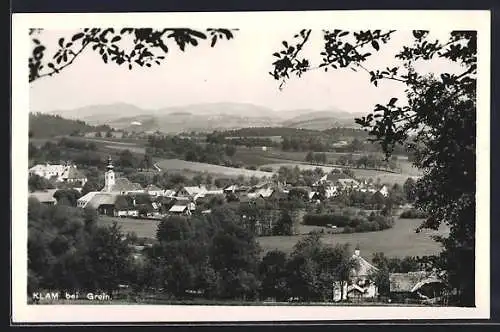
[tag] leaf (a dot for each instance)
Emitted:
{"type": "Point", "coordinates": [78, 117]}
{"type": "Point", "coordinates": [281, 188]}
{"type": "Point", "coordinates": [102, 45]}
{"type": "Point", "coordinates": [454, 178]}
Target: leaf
{"type": "Point", "coordinates": [69, 44]}
{"type": "Point", "coordinates": [77, 36]}
{"type": "Point", "coordinates": [197, 34]}
{"type": "Point", "coordinates": [115, 39]}
{"type": "Point", "coordinates": [36, 41]}
{"type": "Point", "coordinates": [285, 43]}
{"type": "Point", "coordinates": [393, 101]}
{"type": "Point", "coordinates": [344, 33]}
{"type": "Point", "coordinates": [214, 40]}
{"type": "Point", "coordinates": [61, 42]}
{"type": "Point", "coordinates": [50, 65]}
{"type": "Point", "coordinates": [276, 54]}
{"type": "Point", "coordinates": [105, 58]}
{"type": "Point", "coordinates": [375, 45]}
{"type": "Point", "coordinates": [130, 66]}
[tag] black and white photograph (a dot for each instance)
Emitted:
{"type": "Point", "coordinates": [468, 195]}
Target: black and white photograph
{"type": "Point", "coordinates": [259, 166]}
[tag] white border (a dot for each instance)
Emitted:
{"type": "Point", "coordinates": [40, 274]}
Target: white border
{"type": "Point", "coordinates": [466, 20]}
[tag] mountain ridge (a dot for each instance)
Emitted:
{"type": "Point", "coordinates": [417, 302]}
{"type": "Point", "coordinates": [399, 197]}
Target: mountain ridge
{"type": "Point", "coordinates": [205, 117]}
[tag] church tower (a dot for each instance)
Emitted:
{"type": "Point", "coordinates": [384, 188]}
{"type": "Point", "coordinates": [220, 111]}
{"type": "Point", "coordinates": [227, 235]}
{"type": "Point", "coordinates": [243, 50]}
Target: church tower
{"type": "Point", "coordinates": [109, 176]}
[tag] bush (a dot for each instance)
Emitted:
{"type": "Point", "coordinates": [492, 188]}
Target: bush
{"type": "Point", "coordinates": [266, 169]}
{"type": "Point", "coordinates": [413, 214]}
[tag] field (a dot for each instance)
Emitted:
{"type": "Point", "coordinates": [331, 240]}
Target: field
{"type": "Point", "coordinates": [399, 241]}
{"type": "Point", "coordinates": [177, 164]}
{"type": "Point", "coordinates": [142, 228]}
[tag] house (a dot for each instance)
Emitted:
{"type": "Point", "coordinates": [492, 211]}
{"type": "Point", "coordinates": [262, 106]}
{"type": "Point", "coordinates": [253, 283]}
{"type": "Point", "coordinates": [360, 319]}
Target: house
{"type": "Point", "coordinates": [104, 203]}
{"type": "Point", "coordinates": [74, 176]}
{"type": "Point", "coordinates": [360, 286]}
{"type": "Point", "coordinates": [384, 191]}
{"type": "Point", "coordinates": [192, 192]}
{"type": "Point", "coordinates": [180, 210]}
{"type": "Point", "coordinates": [420, 285]}
{"type": "Point", "coordinates": [168, 193]}
{"type": "Point", "coordinates": [260, 192]}
{"type": "Point", "coordinates": [347, 183]}
{"type": "Point", "coordinates": [153, 190]}
{"type": "Point", "coordinates": [45, 196]}
{"type": "Point", "coordinates": [48, 171]}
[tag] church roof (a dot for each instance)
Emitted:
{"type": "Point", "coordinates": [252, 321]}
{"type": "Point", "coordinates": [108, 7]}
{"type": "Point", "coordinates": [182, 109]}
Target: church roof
{"type": "Point", "coordinates": [124, 184]}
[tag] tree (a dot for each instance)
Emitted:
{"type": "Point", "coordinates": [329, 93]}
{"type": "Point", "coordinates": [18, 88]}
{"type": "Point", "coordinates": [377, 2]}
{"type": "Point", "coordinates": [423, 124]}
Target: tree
{"type": "Point", "coordinates": [409, 189]}
{"type": "Point", "coordinates": [273, 273]}
{"type": "Point", "coordinates": [129, 46]}
{"type": "Point", "coordinates": [310, 157]}
{"type": "Point", "coordinates": [36, 182]}
{"type": "Point", "coordinates": [230, 150]}
{"type": "Point", "coordinates": [440, 114]}
{"type": "Point", "coordinates": [67, 196]}
{"type": "Point", "coordinates": [284, 226]}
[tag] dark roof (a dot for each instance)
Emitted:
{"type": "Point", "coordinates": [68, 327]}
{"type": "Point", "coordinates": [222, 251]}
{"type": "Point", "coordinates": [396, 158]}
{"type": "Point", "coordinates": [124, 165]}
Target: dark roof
{"type": "Point", "coordinates": [74, 173]}
{"type": "Point", "coordinates": [124, 184]}
{"type": "Point", "coordinates": [411, 281]}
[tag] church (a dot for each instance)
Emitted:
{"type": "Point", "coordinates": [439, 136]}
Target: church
{"type": "Point", "coordinates": [106, 201]}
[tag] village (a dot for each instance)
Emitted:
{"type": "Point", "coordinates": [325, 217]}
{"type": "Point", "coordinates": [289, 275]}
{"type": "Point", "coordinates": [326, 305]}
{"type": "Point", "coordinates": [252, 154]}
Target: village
{"type": "Point", "coordinates": [121, 198]}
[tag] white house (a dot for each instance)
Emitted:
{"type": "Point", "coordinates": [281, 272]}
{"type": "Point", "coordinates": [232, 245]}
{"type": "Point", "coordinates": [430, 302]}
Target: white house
{"type": "Point", "coordinates": [180, 209]}
{"type": "Point", "coordinates": [48, 171]}
{"type": "Point", "coordinates": [360, 286]}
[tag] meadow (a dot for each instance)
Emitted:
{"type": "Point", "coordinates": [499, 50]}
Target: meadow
{"type": "Point", "coordinates": [399, 241]}
{"type": "Point", "coordinates": [177, 164]}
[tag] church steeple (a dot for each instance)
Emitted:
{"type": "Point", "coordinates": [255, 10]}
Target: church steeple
{"type": "Point", "coordinates": [109, 166]}
{"type": "Point", "coordinates": [109, 176]}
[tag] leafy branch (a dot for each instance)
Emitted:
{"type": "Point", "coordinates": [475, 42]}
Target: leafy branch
{"type": "Point", "coordinates": [130, 46]}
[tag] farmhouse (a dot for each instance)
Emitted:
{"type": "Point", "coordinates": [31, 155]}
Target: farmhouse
{"type": "Point", "coordinates": [192, 192]}
{"type": "Point", "coordinates": [61, 173]}
{"type": "Point", "coordinates": [180, 209]}
{"type": "Point", "coordinates": [416, 285]}
{"type": "Point", "coordinates": [48, 171]}
{"type": "Point", "coordinates": [110, 204]}
{"type": "Point", "coordinates": [154, 190]}
{"type": "Point", "coordinates": [360, 286]}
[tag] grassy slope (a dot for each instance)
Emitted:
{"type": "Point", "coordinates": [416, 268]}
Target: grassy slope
{"type": "Point", "coordinates": [399, 241]}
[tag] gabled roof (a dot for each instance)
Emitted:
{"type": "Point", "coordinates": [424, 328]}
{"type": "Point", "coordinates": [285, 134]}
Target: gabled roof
{"type": "Point", "coordinates": [102, 199]}
{"type": "Point", "coordinates": [124, 184]}
{"type": "Point", "coordinates": [178, 208]}
{"type": "Point", "coordinates": [411, 281]}
{"type": "Point", "coordinates": [152, 187]}
{"type": "Point", "coordinates": [73, 173]}
{"type": "Point", "coordinates": [195, 190]}
{"type": "Point", "coordinates": [364, 267]}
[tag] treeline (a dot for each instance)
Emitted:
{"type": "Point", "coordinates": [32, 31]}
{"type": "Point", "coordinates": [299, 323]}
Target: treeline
{"type": "Point", "coordinates": [373, 161]}
{"type": "Point", "coordinates": [211, 257]}
{"type": "Point", "coordinates": [86, 154]}
{"type": "Point", "coordinates": [48, 126]}
{"type": "Point", "coordinates": [187, 149]}
{"type": "Point", "coordinates": [351, 224]}
{"type": "Point", "coordinates": [265, 132]}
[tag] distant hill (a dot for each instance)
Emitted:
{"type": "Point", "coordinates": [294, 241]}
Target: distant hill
{"type": "Point", "coordinates": [206, 117]}
{"type": "Point", "coordinates": [48, 126]}
{"type": "Point", "coordinates": [321, 120]}
{"type": "Point", "coordinates": [269, 132]}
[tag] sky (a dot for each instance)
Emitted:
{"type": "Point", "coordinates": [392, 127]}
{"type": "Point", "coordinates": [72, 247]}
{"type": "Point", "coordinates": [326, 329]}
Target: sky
{"type": "Point", "coordinates": [233, 71]}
